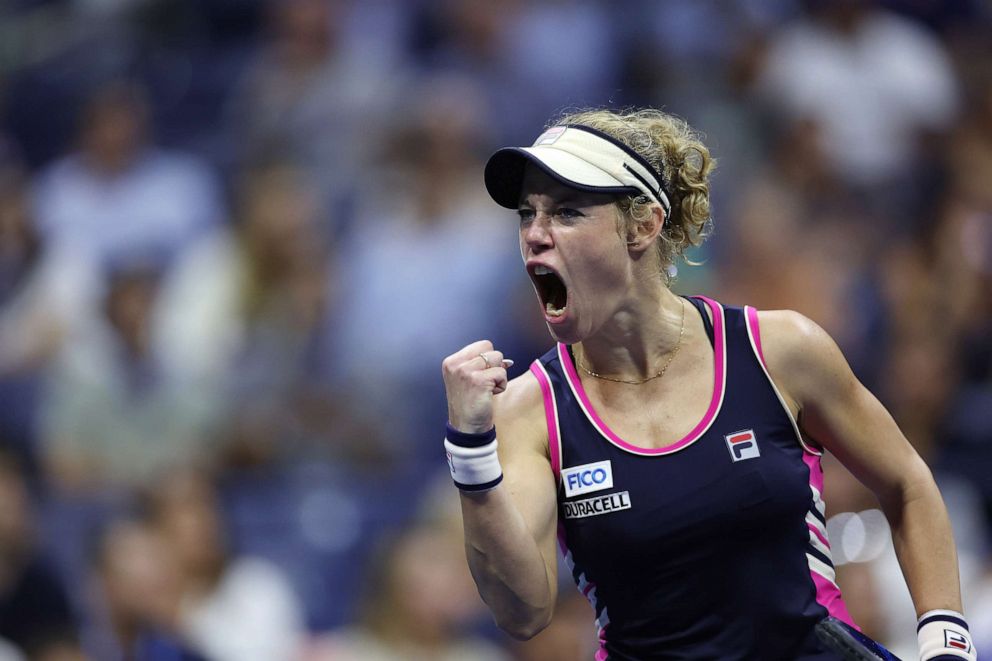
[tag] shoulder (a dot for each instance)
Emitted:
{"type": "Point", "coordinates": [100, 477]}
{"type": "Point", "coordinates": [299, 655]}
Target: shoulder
{"type": "Point", "coordinates": [793, 337]}
{"type": "Point", "coordinates": [801, 355]}
{"type": "Point", "coordinates": [519, 412]}
{"type": "Point", "coordinates": [523, 398]}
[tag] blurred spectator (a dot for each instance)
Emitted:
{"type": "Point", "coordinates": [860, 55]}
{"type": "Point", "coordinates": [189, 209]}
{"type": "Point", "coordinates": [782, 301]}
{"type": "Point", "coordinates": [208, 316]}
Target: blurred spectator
{"type": "Point", "coordinates": [552, 53]}
{"type": "Point", "coordinates": [117, 195]}
{"type": "Point", "coordinates": [971, 149]}
{"type": "Point", "coordinates": [35, 612]}
{"type": "Point", "coordinates": [45, 293]}
{"type": "Point", "coordinates": [309, 98]}
{"type": "Point", "coordinates": [872, 80]}
{"type": "Point", "coordinates": [137, 591]}
{"type": "Point", "coordinates": [44, 289]}
{"type": "Point", "coordinates": [116, 415]}
{"type": "Point", "coordinates": [489, 44]}
{"type": "Point", "coordinates": [560, 52]}
{"type": "Point", "coordinates": [961, 248]}
{"type": "Point", "coordinates": [232, 608]}
{"type": "Point", "coordinates": [419, 600]}
{"type": "Point", "coordinates": [430, 260]}
{"type": "Point", "coordinates": [253, 311]}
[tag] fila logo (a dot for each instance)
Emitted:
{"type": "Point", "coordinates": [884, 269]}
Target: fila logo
{"type": "Point", "coordinates": [743, 445]}
{"type": "Point", "coordinates": [550, 136]}
{"type": "Point", "coordinates": [956, 640]}
{"type": "Point", "coordinates": [587, 478]}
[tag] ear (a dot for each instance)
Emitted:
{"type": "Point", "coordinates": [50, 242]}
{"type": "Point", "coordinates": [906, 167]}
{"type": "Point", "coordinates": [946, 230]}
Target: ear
{"type": "Point", "coordinates": [644, 234]}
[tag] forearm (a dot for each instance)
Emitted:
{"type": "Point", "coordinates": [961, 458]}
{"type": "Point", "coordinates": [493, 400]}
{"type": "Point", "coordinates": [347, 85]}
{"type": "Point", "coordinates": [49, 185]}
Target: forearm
{"type": "Point", "coordinates": [924, 544]}
{"type": "Point", "coordinates": [510, 571]}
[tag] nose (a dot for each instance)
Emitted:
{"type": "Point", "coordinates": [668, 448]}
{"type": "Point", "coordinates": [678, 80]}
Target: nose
{"type": "Point", "coordinates": [536, 235]}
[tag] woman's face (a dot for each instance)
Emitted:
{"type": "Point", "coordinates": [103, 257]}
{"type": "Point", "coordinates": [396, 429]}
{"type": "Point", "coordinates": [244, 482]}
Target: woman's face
{"type": "Point", "coordinates": [574, 254]}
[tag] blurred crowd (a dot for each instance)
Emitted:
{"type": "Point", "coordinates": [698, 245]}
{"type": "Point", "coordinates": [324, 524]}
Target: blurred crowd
{"type": "Point", "coordinates": [237, 238]}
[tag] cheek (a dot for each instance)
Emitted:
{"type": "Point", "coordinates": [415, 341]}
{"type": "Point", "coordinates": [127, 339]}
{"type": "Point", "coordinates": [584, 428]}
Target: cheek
{"type": "Point", "coordinates": [604, 266]}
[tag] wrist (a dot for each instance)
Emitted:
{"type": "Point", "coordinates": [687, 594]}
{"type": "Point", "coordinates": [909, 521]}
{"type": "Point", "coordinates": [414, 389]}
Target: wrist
{"type": "Point", "coordinates": [465, 427]}
{"type": "Point", "coordinates": [943, 635]}
{"type": "Point", "coordinates": [472, 459]}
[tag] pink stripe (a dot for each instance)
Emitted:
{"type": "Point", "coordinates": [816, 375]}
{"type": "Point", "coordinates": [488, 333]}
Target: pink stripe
{"type": "Point", "coordinates": [590, 586]}
{"type": "Point", "coordinates": [754, 328]}
{"type": "Point", "coordinates": [554, 448]}
{"type": "Point", "coordinates": [752, 322]}
{"type": "Point", "coordinates": [562, 539]}
{"type": "Point", "coordinates": [818, 535]}
{"type": "Point", "coordinates": [812, 462]}
{"type": "Point", "coordinates": [828, 596]}
{"type": "Point", "coordinates": [601, 654]}
{"type": "Point", "coordinates": [697, 431]}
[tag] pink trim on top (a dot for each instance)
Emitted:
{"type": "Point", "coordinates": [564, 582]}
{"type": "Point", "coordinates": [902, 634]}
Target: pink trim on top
{"type": "Point", "coordinates": [716, 400]}
{"type": "Point", "coordinates": [827, 593]}
{"type": "Point", "coordinates": [752, 322]}
{"type": "Point", "coordinates": [754, 331]}
{"type": "Point", "coordinates": [551, 417]}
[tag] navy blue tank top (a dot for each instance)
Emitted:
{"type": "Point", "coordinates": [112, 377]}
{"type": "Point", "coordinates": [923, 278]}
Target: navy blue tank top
{"type": "Point", "coordinates": [713, 547]}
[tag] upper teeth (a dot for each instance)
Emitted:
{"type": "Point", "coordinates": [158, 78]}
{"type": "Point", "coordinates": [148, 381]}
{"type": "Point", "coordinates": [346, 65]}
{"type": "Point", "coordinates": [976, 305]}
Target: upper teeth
{"type": "Point", "coordinates": [542, 270]}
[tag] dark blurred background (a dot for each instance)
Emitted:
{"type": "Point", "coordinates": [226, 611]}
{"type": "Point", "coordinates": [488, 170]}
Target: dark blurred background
{"type": "Point", "coordinates": [237, 237]}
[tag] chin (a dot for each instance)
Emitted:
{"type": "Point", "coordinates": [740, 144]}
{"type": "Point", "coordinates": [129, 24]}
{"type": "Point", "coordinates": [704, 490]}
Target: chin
{"type": "Point", "coordinates": [566, 333]}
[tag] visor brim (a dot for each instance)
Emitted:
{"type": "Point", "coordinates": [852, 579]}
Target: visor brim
{"type": "Point", "coordinates": [505, 170]}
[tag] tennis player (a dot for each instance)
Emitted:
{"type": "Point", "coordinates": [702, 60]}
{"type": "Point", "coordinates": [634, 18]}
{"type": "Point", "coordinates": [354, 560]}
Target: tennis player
{"type": "Point", "coordinates": [669, 446]}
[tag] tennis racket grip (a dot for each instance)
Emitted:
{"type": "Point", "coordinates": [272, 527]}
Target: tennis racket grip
{"type": "Point", "coordinates": [849, 643]}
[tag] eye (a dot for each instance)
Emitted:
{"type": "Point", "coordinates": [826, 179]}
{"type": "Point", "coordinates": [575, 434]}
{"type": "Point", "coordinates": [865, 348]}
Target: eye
{"type": "Point", "coordinates": [568, 214]}
{"type": "Point", "coordinates": [526, 215]}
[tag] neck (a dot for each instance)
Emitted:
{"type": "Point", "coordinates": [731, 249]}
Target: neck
{"type": "Point", "coordinates": [638, 340]}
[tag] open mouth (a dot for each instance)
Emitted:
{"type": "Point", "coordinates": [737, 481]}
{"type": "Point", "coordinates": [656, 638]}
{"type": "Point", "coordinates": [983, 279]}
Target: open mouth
{"type": "Point", "coordinates": [551, 289]}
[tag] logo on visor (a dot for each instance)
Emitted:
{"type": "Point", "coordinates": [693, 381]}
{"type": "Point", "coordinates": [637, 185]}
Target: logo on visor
{"type": "Point", "coordinates": [549, 136]}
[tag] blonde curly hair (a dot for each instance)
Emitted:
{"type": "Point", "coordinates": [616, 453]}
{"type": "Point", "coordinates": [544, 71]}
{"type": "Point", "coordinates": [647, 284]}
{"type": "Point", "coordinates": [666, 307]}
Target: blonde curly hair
{"type": "Point", "coordinates": [677, 153]}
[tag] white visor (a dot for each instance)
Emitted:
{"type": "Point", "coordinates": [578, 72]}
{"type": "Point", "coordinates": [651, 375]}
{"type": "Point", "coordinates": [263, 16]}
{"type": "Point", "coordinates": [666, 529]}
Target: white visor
{"type": "Point", "coordinates": [579, 157]}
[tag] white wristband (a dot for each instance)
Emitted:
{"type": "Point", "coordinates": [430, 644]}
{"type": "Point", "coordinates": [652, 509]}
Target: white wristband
{"type": "Point", "coordinates": [475, 466]}
{"type": "Point", "coordinates": [944, 635]}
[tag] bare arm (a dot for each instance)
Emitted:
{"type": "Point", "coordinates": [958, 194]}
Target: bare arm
{"type": "Point", "coordinates": [838, 412]}
{"type": "Point", "coordinates": [510, 529]}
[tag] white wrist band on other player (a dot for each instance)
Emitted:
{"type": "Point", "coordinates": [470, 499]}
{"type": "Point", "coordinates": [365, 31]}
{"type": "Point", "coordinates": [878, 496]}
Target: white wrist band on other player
{"type": "Point", "coordinates": [473, 460]}
{"type": "Point", "coordinates": [943, 635]}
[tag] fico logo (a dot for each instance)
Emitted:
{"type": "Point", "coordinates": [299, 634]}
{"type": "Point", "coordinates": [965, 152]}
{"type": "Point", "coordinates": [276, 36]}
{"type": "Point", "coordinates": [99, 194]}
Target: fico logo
{"type": "Point", "coordinates": [587, 478]}
{"type": "Point", "coordinates": [742, 445]}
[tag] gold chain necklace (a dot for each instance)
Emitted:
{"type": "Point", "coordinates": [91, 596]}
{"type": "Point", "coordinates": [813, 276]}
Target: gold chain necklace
{"type": "Point", "coordinates": [660, 374]}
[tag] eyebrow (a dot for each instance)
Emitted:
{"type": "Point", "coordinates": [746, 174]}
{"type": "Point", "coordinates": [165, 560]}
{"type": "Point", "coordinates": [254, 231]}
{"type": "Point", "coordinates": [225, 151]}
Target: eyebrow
{"type": "Point", "coordinates": [571, 198]}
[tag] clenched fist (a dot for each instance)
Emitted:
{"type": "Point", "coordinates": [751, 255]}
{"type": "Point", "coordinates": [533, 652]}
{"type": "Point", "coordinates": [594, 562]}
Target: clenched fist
{"type": "Point", "coordinates": [472, 376]}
